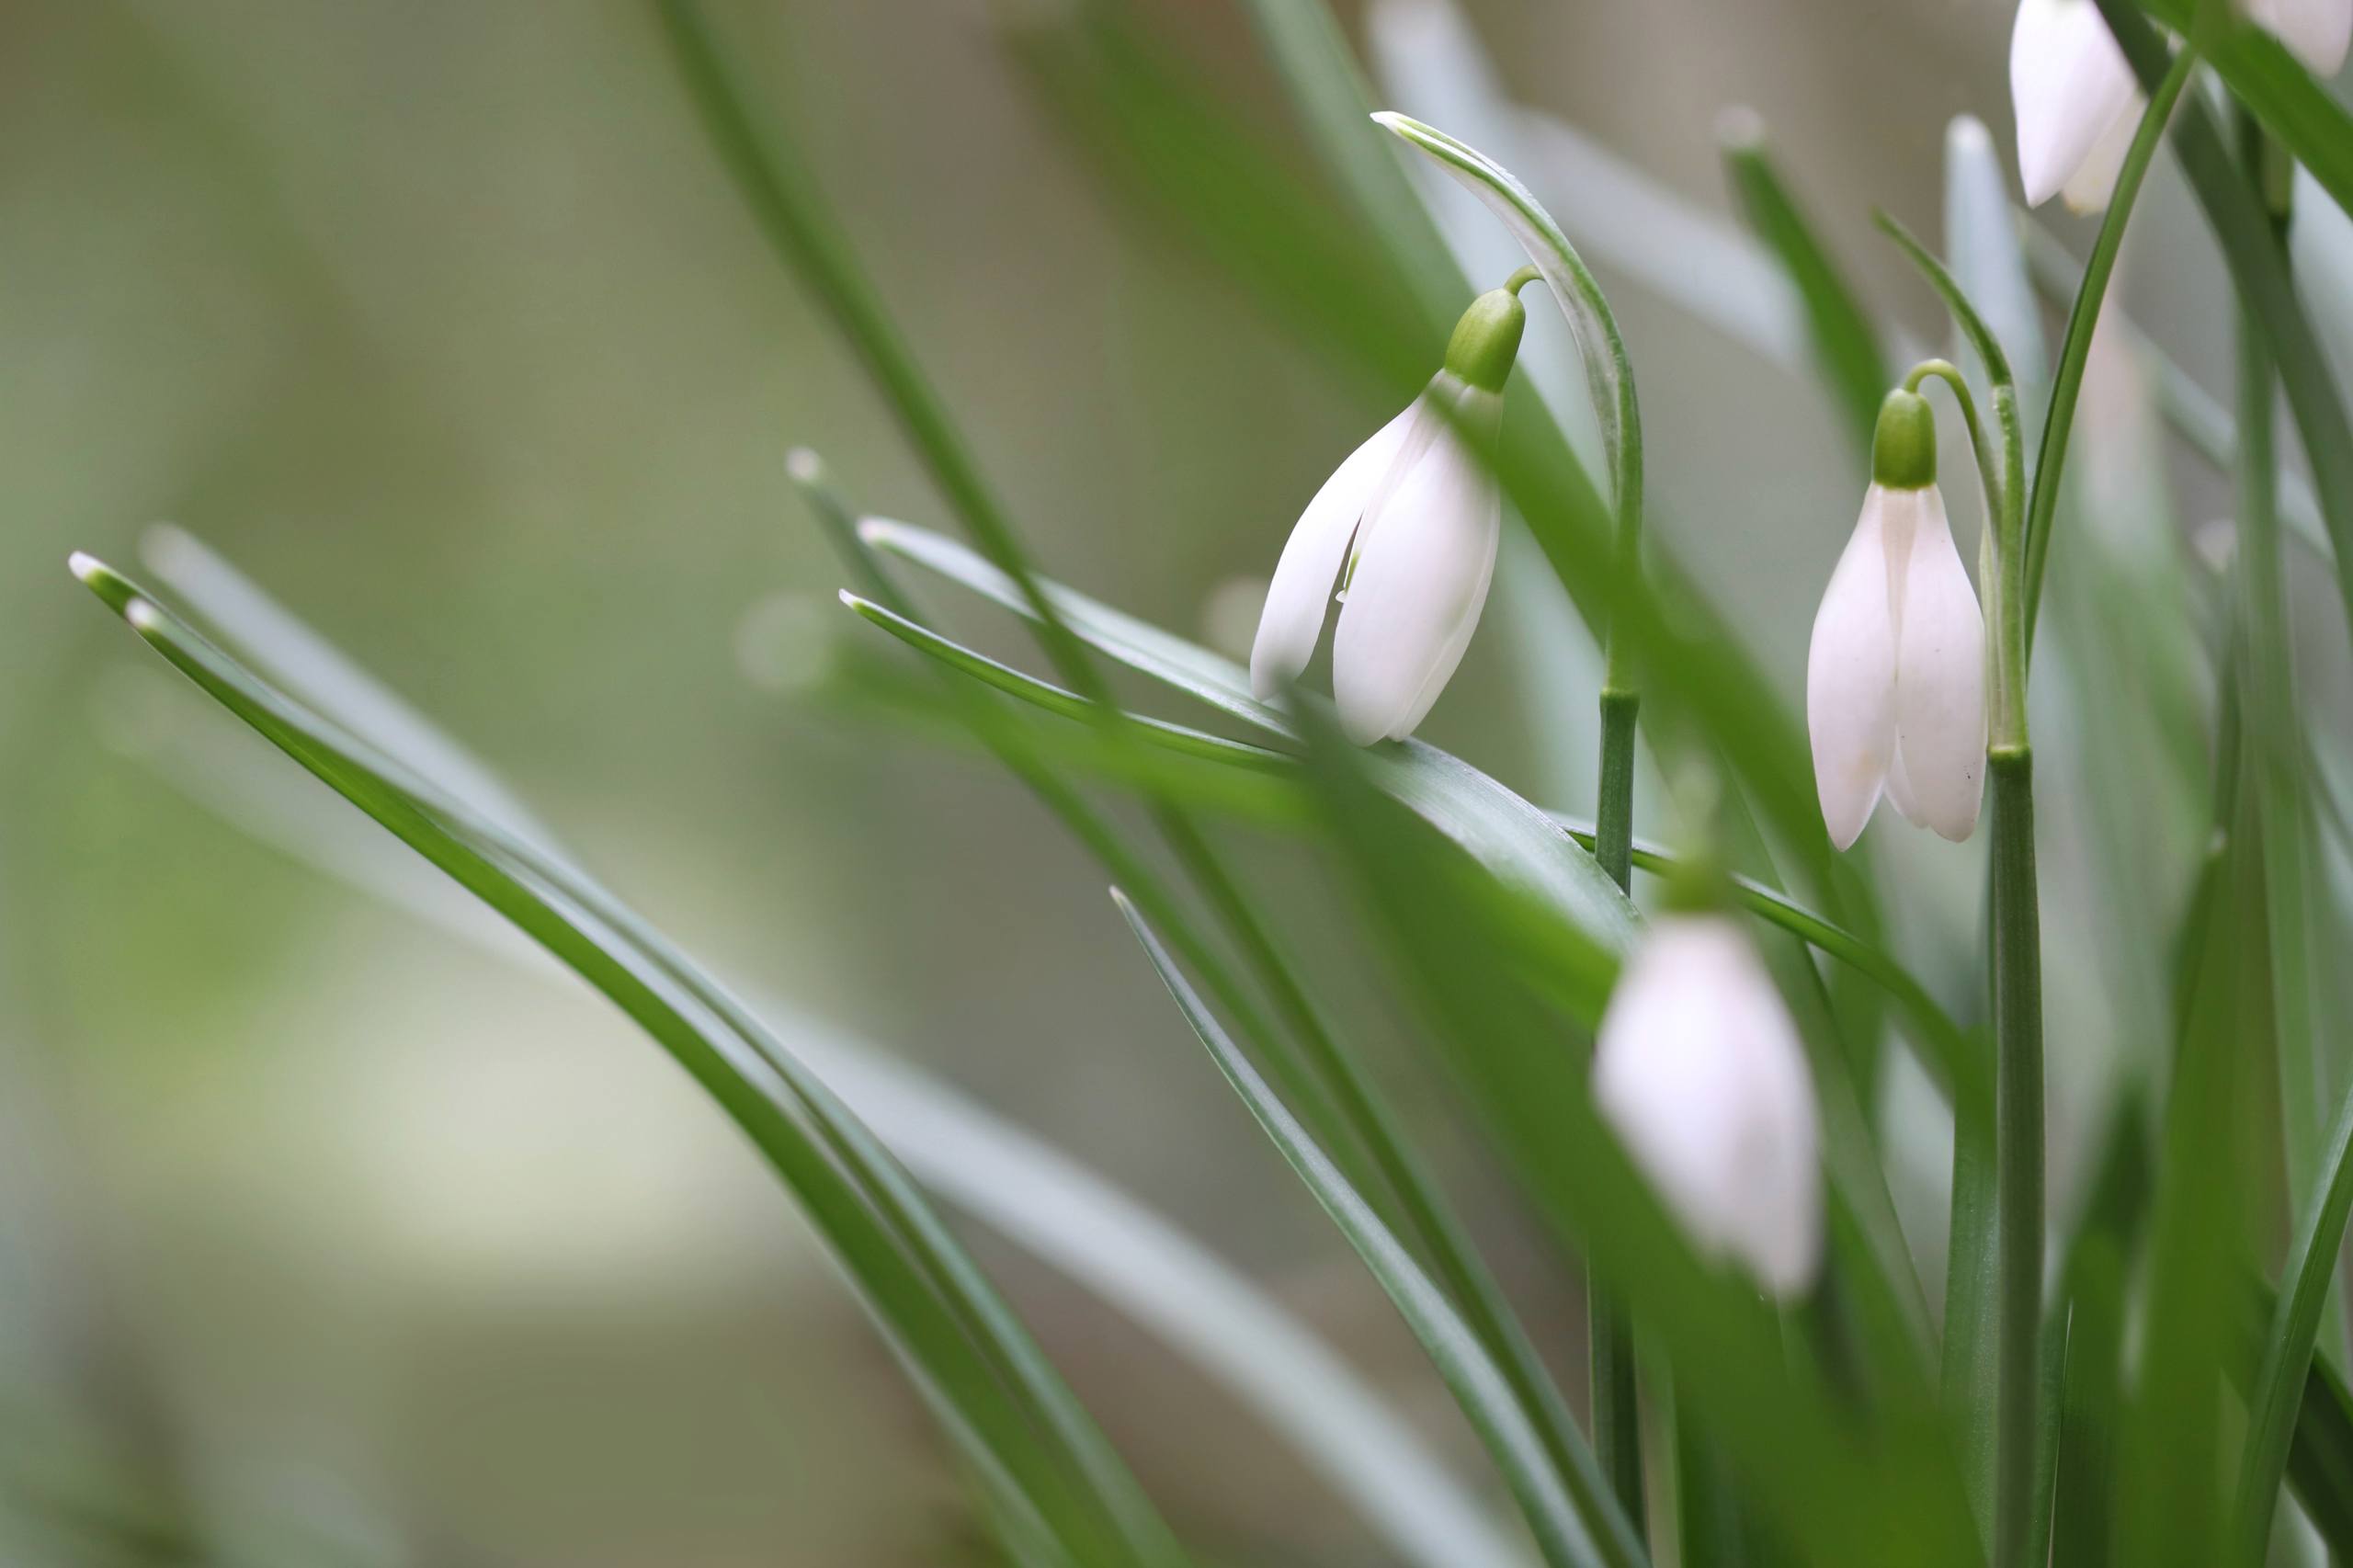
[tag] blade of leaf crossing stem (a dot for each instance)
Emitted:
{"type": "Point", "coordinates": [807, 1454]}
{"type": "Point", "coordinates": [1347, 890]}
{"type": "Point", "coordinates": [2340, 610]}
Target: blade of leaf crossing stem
{"type": "Point", "coordinates": [1354, 1100]}
{"type": "Point", "coordinates": [1503, 832]}
{"type": "Point", "coordinates": [1058, 1210]}
{"type": "Point", "coordinates": [1867, 1232]}
{"type": "Point", "coordinates": [1843, 1489]}
{"type": "Point", "coordinates": [2260, 72]}
{"type": "Point", "coordinates": [2258, 266]}
{"type": "Point", "coordinates": [1036, 1477]}
{"type": "Point", "coordinates": [1458, 799]}
{"type": "Point", "coordinates": [2288, 1344]}
{"type": "Point", "coordinates": [1846, 345]}
{"type": "Point", "coordinates": [1951, 1053]}
{"type": "Point", "coordinates": [1571, 1514]}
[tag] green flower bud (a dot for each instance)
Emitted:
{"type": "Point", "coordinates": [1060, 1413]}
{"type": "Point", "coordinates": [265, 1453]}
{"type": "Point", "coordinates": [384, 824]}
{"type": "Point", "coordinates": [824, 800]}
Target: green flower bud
{"type": "Point", "coordinates": [1486, 340]}
{"type": "Point", "coordinates": [1903, 448]}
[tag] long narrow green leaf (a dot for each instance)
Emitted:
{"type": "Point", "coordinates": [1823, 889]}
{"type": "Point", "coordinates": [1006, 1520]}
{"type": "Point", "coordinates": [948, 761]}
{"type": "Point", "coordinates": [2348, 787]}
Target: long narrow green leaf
{"type": "Point", "coordinates": [2257, 265]}
{"type": "Point", "coordinates": [2268, 79]}
{"type": "Point", "coordinates": [2083, 317]}
{"type": "Point", "coordinates": [1064, 1214]}
{"type": "Point", "coordinates": [2280, 1381]}
{"type": "Point", "coordinates": [1443, 789]}
{"type": "Point", "coordinates": [1837, 1485]}
{"type": "Point", "coordinates": [1609, 375]}
{"type": "Point", "coordinates": [1514, 839]}
{"type": "Point", "coordinates": [1845, 343]}
{"type": "Point", "coordinates": [933, 1302]}
{"type": "Point", "coordinates": [1573, 1517]}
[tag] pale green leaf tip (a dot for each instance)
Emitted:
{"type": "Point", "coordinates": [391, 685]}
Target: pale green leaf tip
{"type": "Point", "coordinates": [1967, 133]}
{"type": "Point", "coordinates": [875, 532]}
{"type": "Point", "coordinates": [165, 546]}
{"type": "Point", "coordinates": [806, 466]}
{"type": "Point", "coordinates": [1120, 898]}
{"type": "Point", "coordinates": [144, 618]}
{"type": "Point", "coordinates": [1740, 128]}
{"type": "Point", "coordinates": [85, 566]}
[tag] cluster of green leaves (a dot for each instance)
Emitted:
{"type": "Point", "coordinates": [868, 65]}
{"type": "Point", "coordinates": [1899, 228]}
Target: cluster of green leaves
{"type": "Point", "coordinates": [1859, 1428]}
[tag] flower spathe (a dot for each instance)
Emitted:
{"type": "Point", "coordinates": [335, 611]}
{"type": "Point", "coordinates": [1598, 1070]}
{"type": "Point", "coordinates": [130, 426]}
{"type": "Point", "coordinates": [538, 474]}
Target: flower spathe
{"type": "Point", "coordinates": [1407, 526]}
{"type": "Point", "coordinates": [1700, 1071]}
{"type": "Point", "coordinates": [2078, 102]}
{"type": "Point", "coordinates": [1895, 675]}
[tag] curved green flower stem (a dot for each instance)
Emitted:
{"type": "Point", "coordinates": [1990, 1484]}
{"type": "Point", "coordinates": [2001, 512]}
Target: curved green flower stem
{"type": "Point", "coordinates": [2017, 940]}
{"type": "Point", "coordinates": [2083, 317]}
{"type": "Point", "coordinates": [1609, 378]}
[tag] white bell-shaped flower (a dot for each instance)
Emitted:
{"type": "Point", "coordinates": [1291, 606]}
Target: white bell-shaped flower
{"type": "Point", "coordinates": [1700, 1070]}
{"type": "Point", "coordinates": [2078, 102]}
{"type": "Point", "coordinates": [1407, 528]}
{"type": "Point", "coordinates": [1895, 676]}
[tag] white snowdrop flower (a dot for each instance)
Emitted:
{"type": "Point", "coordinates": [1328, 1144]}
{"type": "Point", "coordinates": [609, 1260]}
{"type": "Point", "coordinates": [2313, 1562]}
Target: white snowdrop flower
{"type": "Point", "coordinates": [1698, 1069]}
{"type": "Point", "coordinates": [2078, 102]}
{"type": "Point", "coordinates": [1895, 678]}
{"type": "Point", "coordinates": [1407, 526]}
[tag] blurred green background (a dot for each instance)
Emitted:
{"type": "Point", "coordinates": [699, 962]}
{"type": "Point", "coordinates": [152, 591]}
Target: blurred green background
{"type": "Point", "coordinates": [326, 1237]}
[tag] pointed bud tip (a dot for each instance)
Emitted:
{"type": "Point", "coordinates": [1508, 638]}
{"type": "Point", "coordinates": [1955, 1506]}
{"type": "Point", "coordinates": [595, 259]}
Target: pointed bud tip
{"type": "Point", "coordinates": [1904, 446]}
{"type": "Point", "coordinates": [85, 565]}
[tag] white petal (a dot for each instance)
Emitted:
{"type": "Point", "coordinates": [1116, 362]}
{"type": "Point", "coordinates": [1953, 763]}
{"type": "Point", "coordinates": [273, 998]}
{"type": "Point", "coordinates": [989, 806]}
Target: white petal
{"type": "Point", "coordinates": [2315, 31]}
{"type": "Point", "coordinates": [1424, 561]}
{"type": "Point", "coordinates": [1940, 679]}
{"type": "Point", "coordinates": [2093, 184]}
{"type": "Point", "coordinates": [1899, 789]}
{"type": "Point", "coordinates": [1850, 673]}
{"type": "Point", "coordinates": [2069, 84]}
{"type": "Point", "coordinates": [1293, 617]}
{"type": "Point", "coordinates": [1700, 1070]}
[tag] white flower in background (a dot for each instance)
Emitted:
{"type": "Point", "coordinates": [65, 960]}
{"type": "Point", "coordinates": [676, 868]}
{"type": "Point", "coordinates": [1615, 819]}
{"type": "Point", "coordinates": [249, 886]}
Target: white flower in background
{"type": "Point", "coordinates": [1698, 1069]}
{"type": "Point", "coordinates": [2078, 102]}
{"type": "Point", "coordinates": [1895, 678]}
{"type": "Point", "coordinates": [1407, 526]}
{"type": "Point", "coordinates": [2315, 31]}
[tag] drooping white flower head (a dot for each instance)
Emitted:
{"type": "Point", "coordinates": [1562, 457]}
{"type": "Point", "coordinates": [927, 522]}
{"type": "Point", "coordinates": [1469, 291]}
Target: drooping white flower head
{"type": "Point", "coordinates": [1895, 676]}
{"type": "Point", "coordinates": [2078, 102]}
{"type": "Point", "coordinates": [1407, 526]}
{"type": "Point", "coordinates": [1700, 1070]}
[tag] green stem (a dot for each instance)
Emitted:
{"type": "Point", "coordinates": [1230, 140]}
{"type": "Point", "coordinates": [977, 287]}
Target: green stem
{"type": "Point", "coordinates": [2074, 353]}
{"type": "Point", "coordinates": [2017, 1032]}
{"type": "Point", "coordinates": [1617, 1406]}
